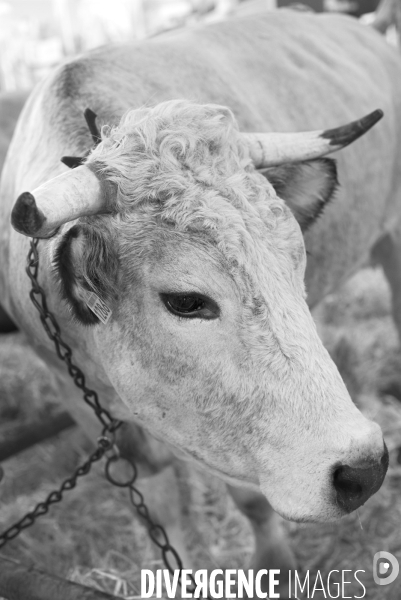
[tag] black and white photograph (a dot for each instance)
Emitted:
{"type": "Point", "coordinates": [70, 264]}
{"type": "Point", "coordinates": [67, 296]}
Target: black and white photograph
{"type": "Point", "coordinates": [200, 299]}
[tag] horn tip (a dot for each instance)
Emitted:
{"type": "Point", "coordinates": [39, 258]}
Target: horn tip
{"type": "Point", "coordinates": [342, 136]}
{"type": "Point", "coordinates": [379, 113]}
{"type": "Point", "coordinates": [26, 218]}
{"type": "Point", "coordinates": [372, 118]}
{"type": "Point", "coordinates": [72, 161]}
{"type": "Point", "coordinates": [88, 113]}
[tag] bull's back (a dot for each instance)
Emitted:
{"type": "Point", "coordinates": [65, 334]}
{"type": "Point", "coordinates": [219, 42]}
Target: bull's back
{"type": "Point", "coordinates": [279, 71]}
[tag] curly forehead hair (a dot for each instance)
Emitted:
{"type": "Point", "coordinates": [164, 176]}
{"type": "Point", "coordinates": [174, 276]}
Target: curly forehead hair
{"type": "Point", "coordinates": [183, 164]}
{"type": "Point", "coordinates": [172, 149]}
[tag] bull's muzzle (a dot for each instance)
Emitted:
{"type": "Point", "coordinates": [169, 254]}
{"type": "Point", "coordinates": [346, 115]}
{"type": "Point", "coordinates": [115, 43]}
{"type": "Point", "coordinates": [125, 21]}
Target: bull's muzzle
{"type": "Point", "coordinates": [354, 485]}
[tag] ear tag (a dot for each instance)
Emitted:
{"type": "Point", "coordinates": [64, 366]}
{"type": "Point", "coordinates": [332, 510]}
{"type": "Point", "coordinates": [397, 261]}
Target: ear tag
{"type": "Point", "coordinates": [98, 307]}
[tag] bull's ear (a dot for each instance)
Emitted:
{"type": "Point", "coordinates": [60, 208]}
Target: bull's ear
{"type": "Point", "coordinates": [86, 262]}
{"type": "Point", "coordinates": [305, 187]}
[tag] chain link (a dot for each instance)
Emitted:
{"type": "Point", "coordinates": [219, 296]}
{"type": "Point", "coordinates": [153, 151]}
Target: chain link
{"type": "Point", "coordinates": [105, 445]}
{"type": "Point", "coordinates": [64, 352]}
{"type": "Point", "coordinates": [54, 497]}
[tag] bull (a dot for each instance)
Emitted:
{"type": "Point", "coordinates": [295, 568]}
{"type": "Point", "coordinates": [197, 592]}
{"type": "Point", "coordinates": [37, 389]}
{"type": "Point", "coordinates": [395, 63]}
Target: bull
{"type": "Point", "coordinates": [190, 221]}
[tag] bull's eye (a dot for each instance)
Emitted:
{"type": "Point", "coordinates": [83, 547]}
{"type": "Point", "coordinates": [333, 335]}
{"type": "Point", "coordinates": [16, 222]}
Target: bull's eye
{"type": "Point", "coordinates": [190, 306]}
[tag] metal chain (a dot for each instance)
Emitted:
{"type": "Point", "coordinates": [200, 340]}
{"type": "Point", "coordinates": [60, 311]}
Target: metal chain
{"type": "Point", "coordinates": [64, 352]}
{"type": "Point", "coordinates": [56, 496]}
{"type": "Point", "coordinates": [105, 444]}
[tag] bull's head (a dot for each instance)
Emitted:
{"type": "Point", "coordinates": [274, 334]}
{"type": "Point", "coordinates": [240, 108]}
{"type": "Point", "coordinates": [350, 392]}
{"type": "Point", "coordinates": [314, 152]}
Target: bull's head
{"type": "Point", "coordinates": [211, 344]}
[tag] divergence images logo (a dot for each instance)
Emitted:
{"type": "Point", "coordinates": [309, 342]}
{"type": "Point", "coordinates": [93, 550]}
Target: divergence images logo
{"type": "Point", "coordinates": [385, 568]}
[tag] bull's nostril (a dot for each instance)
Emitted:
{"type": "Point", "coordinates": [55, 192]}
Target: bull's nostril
{"type": "Point", "coordinates": [348, 491]}
{"type": "Point", "coordinates": [344, 484]}
{"type": "Point", "coordinates": [354, 485]}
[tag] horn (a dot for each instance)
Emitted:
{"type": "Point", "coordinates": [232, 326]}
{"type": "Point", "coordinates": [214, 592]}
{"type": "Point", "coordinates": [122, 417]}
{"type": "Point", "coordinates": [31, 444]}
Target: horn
{"type": "Point", "coordinates": [272, 149]}
{"type": "Point", "coordinates": [74, 194]}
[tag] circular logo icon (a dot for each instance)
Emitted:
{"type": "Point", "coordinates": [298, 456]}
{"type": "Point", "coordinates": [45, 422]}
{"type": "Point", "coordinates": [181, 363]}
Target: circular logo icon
{"type": "Point", "coordinates": [385, 568]}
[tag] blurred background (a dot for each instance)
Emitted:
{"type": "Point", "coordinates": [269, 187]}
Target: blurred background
{"type": "Point", "coordinates": [35, 35]}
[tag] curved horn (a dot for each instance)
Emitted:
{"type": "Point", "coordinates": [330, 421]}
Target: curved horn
{"type": "Point", "coordinates": [271, 149]}
{"type": "Point", "coordinates": [74, 194]}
